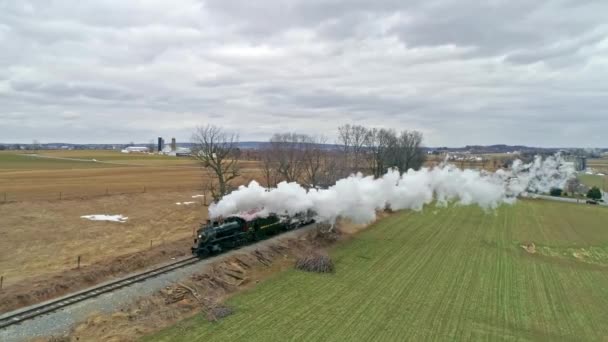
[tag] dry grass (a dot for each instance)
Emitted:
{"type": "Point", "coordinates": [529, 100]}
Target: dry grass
{"type": "Point", "coordinates": [599, 164]}
{"type": "Point", "coordinates": [216, 313]}
{"type": "Point", "coordinates": [43, 184]}
{"type": "Point", "coordinates": [48, 286]}
{"type": "Point", "coordinates": [492, 163]}
{"type": "Point", "coordinates": [41, 237]}
{"type": "Point", "coordinates": [202, 293]}
{"type": "Point", "coordinates": [315, 261]}
{"type": "Point", "coordinates": [529, 247]}
{"type": "Point", "coordinates": [38, 238]}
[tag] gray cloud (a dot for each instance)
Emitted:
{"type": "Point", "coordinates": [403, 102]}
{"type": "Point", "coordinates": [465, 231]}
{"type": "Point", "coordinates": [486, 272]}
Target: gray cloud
{"type": "Point", "coordinates": [101, 92]}
{"type": "Point", "coordinates": [461, 71]}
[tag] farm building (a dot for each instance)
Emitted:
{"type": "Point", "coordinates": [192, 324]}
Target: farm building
{"type": "Point", "coordinates": [178, 152]}
{"type": "Point", "coordinates": [135, 149]}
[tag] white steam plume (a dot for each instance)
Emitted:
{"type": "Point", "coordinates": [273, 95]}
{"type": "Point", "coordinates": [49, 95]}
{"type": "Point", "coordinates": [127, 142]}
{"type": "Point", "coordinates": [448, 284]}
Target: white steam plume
{"type": "Point", "coordinates": [358, 198]}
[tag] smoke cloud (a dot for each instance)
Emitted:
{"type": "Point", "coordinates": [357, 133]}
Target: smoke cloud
{"type": "Point", "coordinates": [358, 198]}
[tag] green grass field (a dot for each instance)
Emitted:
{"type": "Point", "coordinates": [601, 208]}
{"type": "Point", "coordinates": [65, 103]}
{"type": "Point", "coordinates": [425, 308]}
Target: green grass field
{"type": "Point", "coordinates": [448, 274]}
{"type": "Point", "coordinates": [594, 180]}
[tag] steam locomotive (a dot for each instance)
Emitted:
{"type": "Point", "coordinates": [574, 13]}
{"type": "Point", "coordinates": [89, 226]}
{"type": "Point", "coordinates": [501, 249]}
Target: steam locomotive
{"type": "Point", "coordinates": [237, 230]}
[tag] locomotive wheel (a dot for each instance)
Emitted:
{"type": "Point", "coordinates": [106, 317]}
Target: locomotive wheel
{"type": "Point", "coordinates": [216, 249]}
{"type": "Point", "coordinates": [203, 253]}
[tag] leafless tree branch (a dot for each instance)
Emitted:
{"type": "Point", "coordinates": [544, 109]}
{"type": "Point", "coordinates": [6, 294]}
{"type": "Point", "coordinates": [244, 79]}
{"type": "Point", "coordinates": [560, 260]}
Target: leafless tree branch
{"type": "Point", "coordinates": [218, 151]}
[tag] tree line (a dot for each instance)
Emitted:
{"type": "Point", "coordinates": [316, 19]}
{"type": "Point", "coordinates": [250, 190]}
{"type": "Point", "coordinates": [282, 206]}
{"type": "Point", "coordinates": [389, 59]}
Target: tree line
{"type": "Point", "coordinates": [307, 159]}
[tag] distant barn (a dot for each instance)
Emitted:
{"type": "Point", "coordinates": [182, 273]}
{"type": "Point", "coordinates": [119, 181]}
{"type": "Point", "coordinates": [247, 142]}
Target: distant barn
{"type": "Point", "coordinates": [135, 149]}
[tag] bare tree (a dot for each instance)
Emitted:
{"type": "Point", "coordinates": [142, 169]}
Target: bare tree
{"type": "Point", "coordinates": [386, 150]}
{"type": "Point", "coordinates": [287, 152]}
{"type": "Point", "coordinates": [360, 135]}
{"type": "Point", "coordinates": [300, 157]}
{"type": "Point", "coordinates": [269, 166]}
{"type": "Point", "coordinates": [382, 144]}
{"type": "Point", "coordinates": [410, 154]}
{"type": "Point", "coordinates": [315, 160]}
{"type": "Point", "coordinates": [573, 185]}
{"type": "Point", "coordinates": [372, 145]}
{"type": "Point", "coordinates": [345, 141]}
{"type": "Point", "coordinates": [353, 139]}
{"type": "Point", "coordinates": [217, 151]}
{"type": "Point", "coordinates": [331, 172]}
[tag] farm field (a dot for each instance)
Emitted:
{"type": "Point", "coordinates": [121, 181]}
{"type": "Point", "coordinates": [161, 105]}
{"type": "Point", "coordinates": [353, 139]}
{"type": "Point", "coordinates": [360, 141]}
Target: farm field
{"type": "Point", "coordinates": [455, 273]}
{"type": "Point", "coordinates": [42, 201]}
{"type": "Point", "coordinates": [59, 159]}
{"type": "Point", "coordinates": [12, 161]}
{"type": "Point", "coordinates": [112, 156]}
{"type": "Point", "coordinates": [594, 180]}
{"type": "Point", "coordinates": [491, 162]}
{"type": "Point", "coordinates": [26, 177]}
{"type": "Point", "coordinates": [46, 237]}
{"type": "Point", "coordinates": [599, 164]}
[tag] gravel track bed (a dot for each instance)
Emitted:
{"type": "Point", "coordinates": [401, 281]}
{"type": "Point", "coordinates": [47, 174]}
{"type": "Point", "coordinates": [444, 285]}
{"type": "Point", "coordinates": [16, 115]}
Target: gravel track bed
{"type": "Point", "coordinates": [62, 320]}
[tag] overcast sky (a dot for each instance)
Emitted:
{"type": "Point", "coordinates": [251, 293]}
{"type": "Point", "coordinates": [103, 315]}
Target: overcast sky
{"type": "Point", "coordinates": [461, 71]}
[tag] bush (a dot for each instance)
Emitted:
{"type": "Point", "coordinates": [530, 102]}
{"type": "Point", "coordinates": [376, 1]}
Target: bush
{"type": "Point", "coordinates": [556, 192]}
{"type": "Point", "coordinates": [216, 313]}
{"type": "Point", "coordinates": [316, 261]}
{"type": "Point", "coordinates": [594, 193]}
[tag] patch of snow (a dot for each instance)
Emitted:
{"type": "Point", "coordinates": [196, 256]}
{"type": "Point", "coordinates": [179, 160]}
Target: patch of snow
{"type": "Point", "coordinates": [589, 172]}
{"type": "Point", "coordinates": [184, 203]}
{"type": "Point", "coordinates": [112, 218]}
{"type": "Point", "coordinates": [197, 196]}
{"type": "Point", "coordinates": [601, 174]}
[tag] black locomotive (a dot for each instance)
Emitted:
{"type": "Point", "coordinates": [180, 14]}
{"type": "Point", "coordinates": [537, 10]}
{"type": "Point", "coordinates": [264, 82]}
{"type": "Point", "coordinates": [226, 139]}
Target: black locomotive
{"type": "Point", "coordinates": [220, 235]}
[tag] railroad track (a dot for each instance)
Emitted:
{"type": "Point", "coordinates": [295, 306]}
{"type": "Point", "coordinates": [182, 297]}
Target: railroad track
{"type": "Point", "coordinates": [19, 316]}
